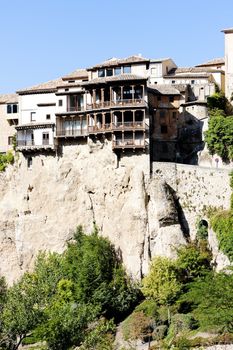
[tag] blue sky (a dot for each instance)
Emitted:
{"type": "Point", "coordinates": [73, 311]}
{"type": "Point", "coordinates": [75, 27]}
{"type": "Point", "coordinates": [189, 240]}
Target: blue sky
{"type": "Point", "coordinates": [42, 40]}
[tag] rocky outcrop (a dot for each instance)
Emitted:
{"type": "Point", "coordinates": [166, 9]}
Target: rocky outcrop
{"type": "Point", "coordinates": [40, 207]}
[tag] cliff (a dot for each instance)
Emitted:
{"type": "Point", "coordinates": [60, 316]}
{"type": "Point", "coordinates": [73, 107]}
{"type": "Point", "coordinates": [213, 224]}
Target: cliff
{"type": "Point", "coordinates": [143, 216]}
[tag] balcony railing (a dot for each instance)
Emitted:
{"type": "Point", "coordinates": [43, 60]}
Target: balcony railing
{"type": "Point", "coordinates": [112, 103]}
{"type": "Point", "coordinates": [129, 143]}
{"type": "Point", "coordinates": [30, 144]}
{"type": "Point", "coordinates": [100, 128]}
{"type": "Point", "coordinates": [71, 132]}
{"type": "Point", "coordinates": [117, 126]}
{"type": "Point", "coordinates": [75, 109]}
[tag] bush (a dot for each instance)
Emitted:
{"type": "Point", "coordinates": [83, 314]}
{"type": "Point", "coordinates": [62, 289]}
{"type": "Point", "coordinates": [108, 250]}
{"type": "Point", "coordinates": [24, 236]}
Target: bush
{"type": "Point", "coordinates": [137, 326]}
{"type": "Point", "coordinates": [6, 159]}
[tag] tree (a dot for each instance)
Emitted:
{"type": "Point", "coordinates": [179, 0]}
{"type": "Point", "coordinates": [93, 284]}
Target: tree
{"type": "Point", "coordinates": [162, 284]}
{"type": "Point", "coordinates": [219, 136]}
{"type": "Point", "coordinates": [212, 297]}
{"type": "Point", "coordinates": [21, 312]}
{"type": "Point", "coordinates": [217, 100]}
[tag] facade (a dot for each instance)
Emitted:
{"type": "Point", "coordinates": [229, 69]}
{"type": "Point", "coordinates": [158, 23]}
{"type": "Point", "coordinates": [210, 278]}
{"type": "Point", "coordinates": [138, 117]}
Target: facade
{"type": "Point", "coordinates": [228, 61]}
{"type": "Point", "coordinates": [36, 127]}
{"type": "Point", "coordinates": [137, 104]}
{"type": "Point", "coordinates": [9, 117]}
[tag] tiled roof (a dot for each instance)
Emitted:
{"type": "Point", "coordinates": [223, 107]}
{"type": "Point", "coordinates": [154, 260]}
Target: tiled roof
{"type": "Point", "coordinates": [77, 74]}
{"type": "Point", "coordinates": [188, 72]}
{"type": "Point", "coordinates": [120, 77]}
{"type": "Point", "coordinates": [215, 61]}
{"type": "Point", "coordinates": [8, 98]}
{"type": "Point", "coordinates": [164, 89]}
{"type": "Point", "coordinates": [118, 61]}
{"type": "Point", "coordinates": [49, 86]}
{"type": "Point", "coordinates": [154, 60]}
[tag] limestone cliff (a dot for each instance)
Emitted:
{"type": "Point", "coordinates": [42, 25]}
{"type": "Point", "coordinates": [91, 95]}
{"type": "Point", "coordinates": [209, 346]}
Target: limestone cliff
{"type": "Point", "coordinates": [40, 207]}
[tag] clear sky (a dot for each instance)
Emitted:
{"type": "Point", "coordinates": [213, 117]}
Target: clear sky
{"type": "Point", "coordinates": [45, 39]}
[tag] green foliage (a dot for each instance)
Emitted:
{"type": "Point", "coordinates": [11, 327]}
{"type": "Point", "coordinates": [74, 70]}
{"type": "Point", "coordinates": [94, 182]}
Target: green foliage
{"type": "Point", "coordinates": [161, 284]}
{"type": "Point", "coordinates": [67, 293]}
{"type": "Point", "coordinates": [6, 159]}
{"type": "Point", "coordinates": [149, 308]}
{"type": "Point", "coordinates": [217, 100]}
{"type": "Point", "coordinates": [219, 136]}
{"type": "Point", "coordinates": [192, 262]}
{"type": "Point", "coordinates": [213, 300]}
{"type": "Point", "coordinates": [137, 326]}
{"type": "Point", "coordinates": [222, 224]}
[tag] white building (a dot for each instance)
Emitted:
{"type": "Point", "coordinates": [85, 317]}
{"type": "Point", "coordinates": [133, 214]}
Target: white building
{"type": "Point", "coordinates": [37, 106]}
{"type": "Point", "coordinates": [9, 117]}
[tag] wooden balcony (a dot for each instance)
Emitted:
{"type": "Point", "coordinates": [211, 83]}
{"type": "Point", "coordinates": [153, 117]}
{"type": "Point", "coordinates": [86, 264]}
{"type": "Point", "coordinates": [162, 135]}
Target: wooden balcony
{"type": "Point", "coordinates": [71, 133]}
{"type": "Point", "coordinates": [129, 143]}
{"type": "Point", "coordinates": [139, 102]}
{"type": "Point", "coordinates": [140, 125]}
{"type": "Point", "coordinates": [30, 145]}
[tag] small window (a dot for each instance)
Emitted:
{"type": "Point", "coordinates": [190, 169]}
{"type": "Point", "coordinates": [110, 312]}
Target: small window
{"type": "Point", "coordinates": [171, 98]}
{"type": "Point", "coordinates": [127, 69]}
{"type": "Point", "coordinates": [33, 116]}
{"type": "Point", "coordinates": [45, 138]}
{"type": "Point", "coordinates": [12, 108]}
{"type": "Point", "coordinates": [192, 81]}
{"type": "Point", "coordinates": [29, 162]}
{"type": "Point", "coordinates": [174, 115]}
{"type": "Point", "coordinates": [66, 89]}
{"type": "Point", "coordinates": [101, 73]}
{"type": "Point", "coordinates": [117, 70]}
{"type": "Point", "coordinates": [71, 81]}
{"type": "Point", "coordinates": [162, 114]}
{"type": "Point", "coordinates": [60, 102]}
{"type": "Point", "coordinates": [163, 129]}
{"type": "Point", "coordinates": [48, 116]}
{"type": "Point", "coordinates": [10, 140]}
{"type": "Point", "coordinates": [159, 98]}
{"type": "Point", "coordinates": [173, 81]}
{"type": "Point", "coordinates": [109, 72]}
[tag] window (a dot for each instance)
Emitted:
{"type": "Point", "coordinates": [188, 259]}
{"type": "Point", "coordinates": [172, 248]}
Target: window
{"type": "Point", "coordinates": [101, 73]}
{"type": "Point", "coordinates": [33, 116]}
{"type": "Point", "coordinates": [45, 138]}
{"type": "Point", "coordinates": [71, 81]}
{"type": "Point", "coordinates": [171, 98]}
{"type": "Point", "coordinates": [117, 70]}
{"type": "Point", "coordinates": [163, 129]}
{"type": "Point", "coordinates": [159, 98]}
{"type": "Point", "coordinates": [60, 102]}
{"type": "Point", "coordinates": [29, 162]}
{"type": "Point", "coordinates": [109, 72]}
{"type": "Point", "coordinates": [12, 108]}
{"type": "Point", "coordinates": [173, 81]}
{"type": "Point", "coordinates": [192, 81]}
{"type": "Point", "coordinates": [66, 89]}
{"type": "Point", "coordinates": [162, 114]}
{"type": "Point", "coordinates": [48, 116]}
{"type": "Point", "coordinates": [127, 69]}
{"type": "Point", "coordinates": [10, 140]}
{"type": "Point", "coordinates": [174, 115]}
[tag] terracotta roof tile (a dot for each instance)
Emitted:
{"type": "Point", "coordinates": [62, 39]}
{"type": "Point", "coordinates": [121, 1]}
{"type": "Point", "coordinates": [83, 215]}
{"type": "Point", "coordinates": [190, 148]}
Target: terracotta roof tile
{"type": "Point", "coordinates": [8, 98]}
{"type": "Point", "coordinates": [118, 61]}
{"type": "Point", "coordinates": [121, 77]}
{"type": "Point", "coordinates": [49, 86]}
{"type": "Point", "coordinates": [164, 89]}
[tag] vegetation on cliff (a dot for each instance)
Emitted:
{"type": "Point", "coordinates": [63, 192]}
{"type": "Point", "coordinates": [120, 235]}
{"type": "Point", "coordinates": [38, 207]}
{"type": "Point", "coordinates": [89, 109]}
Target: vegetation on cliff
{"type": "Point", "coordinates": [69, 299]}
{"type": "Point", "coordinates": [183, 298]}
{"type": "Point", "coordinates": [219, 136]}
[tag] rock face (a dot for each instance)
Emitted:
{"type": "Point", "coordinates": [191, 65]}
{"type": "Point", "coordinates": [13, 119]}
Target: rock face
{"type": "Point", "coordinates": [40, 207]}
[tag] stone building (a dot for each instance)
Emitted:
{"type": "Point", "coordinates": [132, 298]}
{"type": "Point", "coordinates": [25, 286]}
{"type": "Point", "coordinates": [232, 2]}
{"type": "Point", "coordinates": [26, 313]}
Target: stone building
{"type": "Point", "coordinates": [228, 61]}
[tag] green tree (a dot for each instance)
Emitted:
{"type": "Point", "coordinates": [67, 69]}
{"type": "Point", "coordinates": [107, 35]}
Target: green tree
{"type": "Point", "coordinates": [212, 297]}
{"type": "Point", "coordinates": [217, 100]}
{"type": "Point", "coordinates": [162, 284]}
{"type": "Point", "coordinates": [219, 136]}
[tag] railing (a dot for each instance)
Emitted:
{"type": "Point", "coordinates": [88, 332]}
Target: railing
{"type": "Point", "coordinates": [27, 144]}
{"type": "Point", "coordinates": [75, 109]}
{"type": "Point", "coordinates": [129, 143]}
{"type": "Point", "coordinates": [21, 143]}
{"type": "Point", "coordinates": [71, 132]}
{"type": "Point", "coordinates": [112, 103]}
{"type": "Point", "coordinates": [128, 125]}
{"type": "Point", "coordinates": [116, 126]}
{"type": "Point", "coordinates": [100, 128]}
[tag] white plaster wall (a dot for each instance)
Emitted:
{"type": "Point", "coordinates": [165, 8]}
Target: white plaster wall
{"type": "Point", "coordinates": [28, 104]}
{"type": "Point", "coordinates": [229, 64]}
